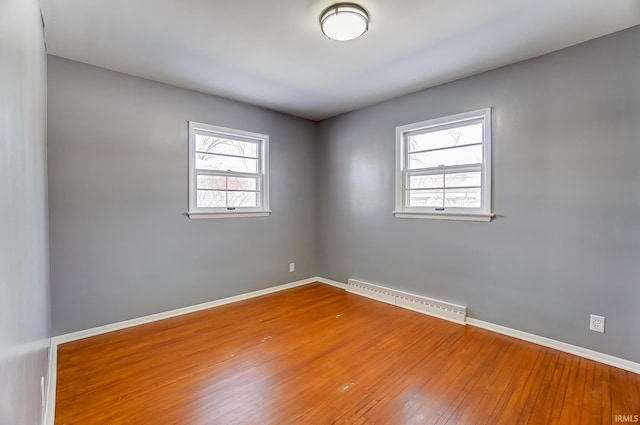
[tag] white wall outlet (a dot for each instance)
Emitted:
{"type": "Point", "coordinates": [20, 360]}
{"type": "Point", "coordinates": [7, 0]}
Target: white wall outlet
{"type": "Point", "coordinates": [292, 267]}
{"type": "Point", "coordinates": [596, 323]}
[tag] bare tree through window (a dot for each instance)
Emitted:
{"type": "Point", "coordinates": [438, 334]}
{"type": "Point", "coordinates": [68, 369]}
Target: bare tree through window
{"type": "Point", "coordinates": [228, 171]}
{"type": "Point", "coordinates": [443, 163]}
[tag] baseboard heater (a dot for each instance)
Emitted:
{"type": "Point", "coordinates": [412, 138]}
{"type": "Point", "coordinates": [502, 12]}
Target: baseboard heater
{"type": "Point", "coordinates": [443, 310]}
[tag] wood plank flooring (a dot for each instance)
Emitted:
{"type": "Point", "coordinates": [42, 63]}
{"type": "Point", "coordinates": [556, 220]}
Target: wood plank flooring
{"type": "Point", "coordinates": [318, 355]}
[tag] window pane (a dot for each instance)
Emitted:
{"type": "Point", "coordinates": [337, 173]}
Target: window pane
{"type": "Point", "coordinates": [243, 199]}
{"type": "Point", "coordinates": [226, 146]}
{"type": "Point", "coordinates": [206, 161]}
{"type": "Point", "coordinates": [463, 179]}
{"type": "Point", "coordinates": [224, 182]}
{"type": "Point", "coordinates": [211, 199]}
{"type": "Point", "coordinates": [446, 157]}
{"type": "Point", "coordinates": [212, 182]}
{"type": "Point", "coordinates": [425, 198]}
{"type": "Point", "coordinates": [426, 182]}
{"type": "Point", "coordinates": [223, 199]}
{"type": "Point", "coordinates": [464, 135]}
{"type": "Point", "coordinates": [243, 183]}
{"type": "Point", "coordinates": [463, 198]}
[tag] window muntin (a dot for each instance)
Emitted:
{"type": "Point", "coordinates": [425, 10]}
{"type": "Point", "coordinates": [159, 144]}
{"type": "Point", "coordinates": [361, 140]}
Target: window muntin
{"type": "Point", "coordinates": [444, 166]}
{"type": "Point", "coordinates": [443, 157]}
{"type": "Point", "coordinates": [228, 171]}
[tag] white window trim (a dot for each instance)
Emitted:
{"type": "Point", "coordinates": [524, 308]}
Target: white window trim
{"type": "Point", "coordinates": [194, 211]}
{"type": "Point", "coordinates": [482, 214]}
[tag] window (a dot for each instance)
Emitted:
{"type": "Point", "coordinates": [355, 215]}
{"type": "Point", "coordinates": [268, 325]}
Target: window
{"type": "Point", "coordinates": [443, 168]}
{"type": "Point", "coordinates": [228, 172]}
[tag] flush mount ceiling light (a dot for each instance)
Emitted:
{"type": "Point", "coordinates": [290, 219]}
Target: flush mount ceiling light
{"type": "Point", "coordinates": [344, 21]}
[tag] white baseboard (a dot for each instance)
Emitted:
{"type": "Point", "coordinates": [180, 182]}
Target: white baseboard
{"type": "Point", "coordinates": [558, 345]}
{"type": "Point", "coordinates": [49, 415]}
{"type": "Point", "coordinates": [61, 339]}
{"type": "Point", "coordinates": [50, 402]}
{"type": "Point", "coordinates": [440, 309]}
{"type": "Point", "coordinates": [331, 282]}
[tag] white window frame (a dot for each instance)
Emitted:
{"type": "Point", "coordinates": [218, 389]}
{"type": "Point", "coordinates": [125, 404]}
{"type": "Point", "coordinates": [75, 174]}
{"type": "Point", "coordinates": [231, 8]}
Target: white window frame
{"type": "Point", "coordinates": [483, 213]}
{"type": "Point", "coordinates": [195, 212]}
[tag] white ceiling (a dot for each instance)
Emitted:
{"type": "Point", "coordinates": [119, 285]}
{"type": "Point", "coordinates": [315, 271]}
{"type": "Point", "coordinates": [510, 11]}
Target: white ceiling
{"type": "Point", "coordinates": [273, 54]}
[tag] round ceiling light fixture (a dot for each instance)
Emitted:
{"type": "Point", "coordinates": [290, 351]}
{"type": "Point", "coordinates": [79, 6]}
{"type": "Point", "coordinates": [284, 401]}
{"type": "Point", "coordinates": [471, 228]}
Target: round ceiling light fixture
{"type": "Point", "coordinates": [344, 21]}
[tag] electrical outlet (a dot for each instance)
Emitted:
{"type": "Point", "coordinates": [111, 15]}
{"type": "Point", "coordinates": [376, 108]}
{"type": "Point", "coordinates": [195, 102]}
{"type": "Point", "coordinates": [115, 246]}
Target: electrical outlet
{"type": "Point", "coordinates": [596, 323]}
{"type": "Point", "coordinates": [292, 267]}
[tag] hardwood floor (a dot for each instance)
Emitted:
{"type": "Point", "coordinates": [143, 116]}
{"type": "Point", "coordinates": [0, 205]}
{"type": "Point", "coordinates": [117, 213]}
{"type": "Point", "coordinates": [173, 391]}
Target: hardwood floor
{"type": "Point", "coordinates": [318, 355]}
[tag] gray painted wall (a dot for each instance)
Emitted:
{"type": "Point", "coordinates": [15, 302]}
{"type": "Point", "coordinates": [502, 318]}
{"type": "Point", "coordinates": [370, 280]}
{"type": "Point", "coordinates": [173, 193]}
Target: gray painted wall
{"type": "Point", "coordinates": [121, 246]}
{"type": "Point", "coordinates": [566, 242]}
{"type": "Point", "coordinates": [24, 263]}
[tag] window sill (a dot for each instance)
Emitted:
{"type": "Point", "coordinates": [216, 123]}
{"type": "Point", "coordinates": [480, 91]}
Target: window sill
{"type": "Point", "coordinates": [232, 214]}
{"type": "Point", "coordinates": [447, 216]}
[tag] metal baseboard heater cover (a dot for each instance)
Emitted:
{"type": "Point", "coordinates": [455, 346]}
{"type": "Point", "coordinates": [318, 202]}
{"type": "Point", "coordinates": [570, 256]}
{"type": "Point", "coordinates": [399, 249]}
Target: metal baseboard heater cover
{"type": "Point", "coordinates": [443, 310]}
